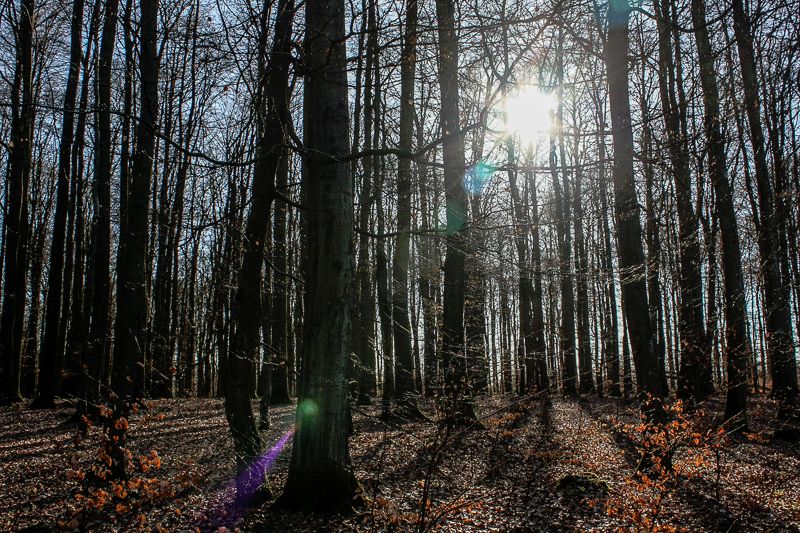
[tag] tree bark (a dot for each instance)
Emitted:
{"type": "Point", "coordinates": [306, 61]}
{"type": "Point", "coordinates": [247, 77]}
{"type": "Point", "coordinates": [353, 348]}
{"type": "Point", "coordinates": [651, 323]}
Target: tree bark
{"type": "Point", "coordinates": [629, 228]}
{"type": "Point", "coordinates": [52, 353]}
{"type": "Point", "coordinates": [736, 342]}
{"type": "Point", "coordinates": [404, 369]}
{"type": "Point", "coordinates": [16, 215]}
{"type": "Point", "coordinates": [776, 299]}
{"type": "Point", "coordinates": [320, 476]}
{"type": "Point", "coordinates": [457, 387]}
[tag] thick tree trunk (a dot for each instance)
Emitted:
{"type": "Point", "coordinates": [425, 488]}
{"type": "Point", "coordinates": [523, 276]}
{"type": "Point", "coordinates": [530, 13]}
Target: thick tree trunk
{"type": "Point", "coordinates": [320, 477]}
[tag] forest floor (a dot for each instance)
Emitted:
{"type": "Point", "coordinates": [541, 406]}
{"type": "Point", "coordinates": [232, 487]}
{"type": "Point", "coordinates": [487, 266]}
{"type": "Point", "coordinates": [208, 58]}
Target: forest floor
{"type": "Point", "coordinates": [561, 466]}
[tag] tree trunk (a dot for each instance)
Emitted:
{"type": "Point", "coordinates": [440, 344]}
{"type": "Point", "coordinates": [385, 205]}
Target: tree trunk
{"type": "Point", "coordinates": [131, 322]}
{"type": "Point", "coordinates": [694, 378]}
{"type": "Point", "coordinates": [629, 228]}
{"type": "Point", "coordinates": [52, 353]}
{"type": "Point", "coordinates": [457, 389]}
{"type": "Point", "coordinates": [776, 299]}
{"type": "Point", "coordinates": [320, 476]}
{"type": "Point", "coordinates": [404, 373]}
{"type": "Point", "coordinates": [16, 214]}
{"type": "Point", "coordinates": [736, 344]}
{"type": "Point", "coordinates": [247, 307]}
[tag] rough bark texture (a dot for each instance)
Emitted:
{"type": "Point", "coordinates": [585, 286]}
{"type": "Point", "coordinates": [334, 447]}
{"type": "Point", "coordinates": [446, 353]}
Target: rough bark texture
{"type": "Point", "coordinates": [320, 477]}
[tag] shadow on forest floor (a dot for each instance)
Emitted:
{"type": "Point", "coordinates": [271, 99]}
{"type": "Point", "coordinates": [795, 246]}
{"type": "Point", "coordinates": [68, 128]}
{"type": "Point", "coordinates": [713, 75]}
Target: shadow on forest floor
{"type": "Point", "coordinates": [548, 467]}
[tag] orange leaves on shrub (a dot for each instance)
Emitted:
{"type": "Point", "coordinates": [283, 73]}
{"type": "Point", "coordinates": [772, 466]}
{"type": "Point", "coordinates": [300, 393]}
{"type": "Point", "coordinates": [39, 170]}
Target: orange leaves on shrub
{"type": "Point", "coordinates": [121, 424]}
{"type": "Point", "coordinates": [680, 447]}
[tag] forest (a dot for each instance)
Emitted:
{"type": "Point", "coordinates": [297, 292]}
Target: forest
{"type": "Point", "coordinates": [400, 265]}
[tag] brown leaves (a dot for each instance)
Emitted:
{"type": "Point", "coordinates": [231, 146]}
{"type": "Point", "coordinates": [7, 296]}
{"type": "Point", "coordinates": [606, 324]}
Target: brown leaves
{"type": "Point", "coordinates": [502, 478]}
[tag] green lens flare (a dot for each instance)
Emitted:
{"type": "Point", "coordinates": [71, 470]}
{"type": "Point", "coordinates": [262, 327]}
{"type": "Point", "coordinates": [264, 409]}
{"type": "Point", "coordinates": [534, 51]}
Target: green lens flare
{"type": "Point", "coordinates": [308, 409]}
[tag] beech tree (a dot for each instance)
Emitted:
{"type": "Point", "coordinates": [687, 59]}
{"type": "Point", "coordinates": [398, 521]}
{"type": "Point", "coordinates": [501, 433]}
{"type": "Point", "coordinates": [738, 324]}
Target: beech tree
{"type": "Point", "coordinates": [319, 474]}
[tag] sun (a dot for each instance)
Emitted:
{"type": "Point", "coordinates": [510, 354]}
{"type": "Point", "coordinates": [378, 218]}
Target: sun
{"type": "Point", "coordinates": [529, 113]}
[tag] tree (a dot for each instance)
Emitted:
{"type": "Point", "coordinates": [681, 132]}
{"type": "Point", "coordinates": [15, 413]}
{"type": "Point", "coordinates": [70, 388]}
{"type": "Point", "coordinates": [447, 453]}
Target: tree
{"type": "Point", "coordinates": [777, 312]}
{"type": "Point", "coordinates": [694, 379]}
{"type": "Point", "coordinates": [457, 389]}
{"type": "Point", "coordinates": [15, 219]}
{"type": "Point", "coordinates": [736, 341]}
{"type": "Point", "coordinates": [99, 334]}
{"type": "Point", "coordinates": [626, 207]}
{"type": "Point", "coordinates": [404, 373]}
{"type": "Point", "coordinates": [131, 318]}
{"type": "Point", "coordinates": [247, 307]}
{"type": "Point", "coordinates": [52, 352]}
{"type": "Point", "coordinates": [320, 477]}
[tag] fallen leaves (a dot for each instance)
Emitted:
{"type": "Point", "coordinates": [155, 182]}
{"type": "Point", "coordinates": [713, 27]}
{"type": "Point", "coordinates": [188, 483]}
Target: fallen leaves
{"type": "Point", "coordinates": [502, 478]}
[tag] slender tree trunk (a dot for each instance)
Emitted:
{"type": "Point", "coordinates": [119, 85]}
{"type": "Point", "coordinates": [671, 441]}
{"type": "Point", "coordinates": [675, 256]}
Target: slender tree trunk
{"type": "Point", "coordinates": [404, 373]}
{"type": "Point", "coordinates": [365, 318]}
{"type": "Point", "coordinates": [581, 280]}
{"type": "Point", "coordinates": [539, 342]}
{"type": "Point", "coordinates": [736, 344]}
{"type": "Point", "coordinates": [457, 389]}
{"type": "Point", "coordinates": [776, 299]}
{"type": "Point", "coordinates": [694, 378]}
{"type": "Point", "coordinates": [52, 354]}
{"type": "Point", "coordinates": [131, 323]}
{"type": "Point", "coordinates": [247, 307]}
{"type": "Point", "coordinates": [629, 228]}
{"type": "Point", "coordinates": [279, 324]}
{"type": "Point", "coordinates": [16, 214]}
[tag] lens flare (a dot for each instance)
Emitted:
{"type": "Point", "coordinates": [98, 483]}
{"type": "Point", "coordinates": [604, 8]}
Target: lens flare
{"type": "Point", "coordinates": [308, 409]}
{"type": "Point", "coordinates": [477, 176]}
{"type": "Point", "coordinates": [252, 478]}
